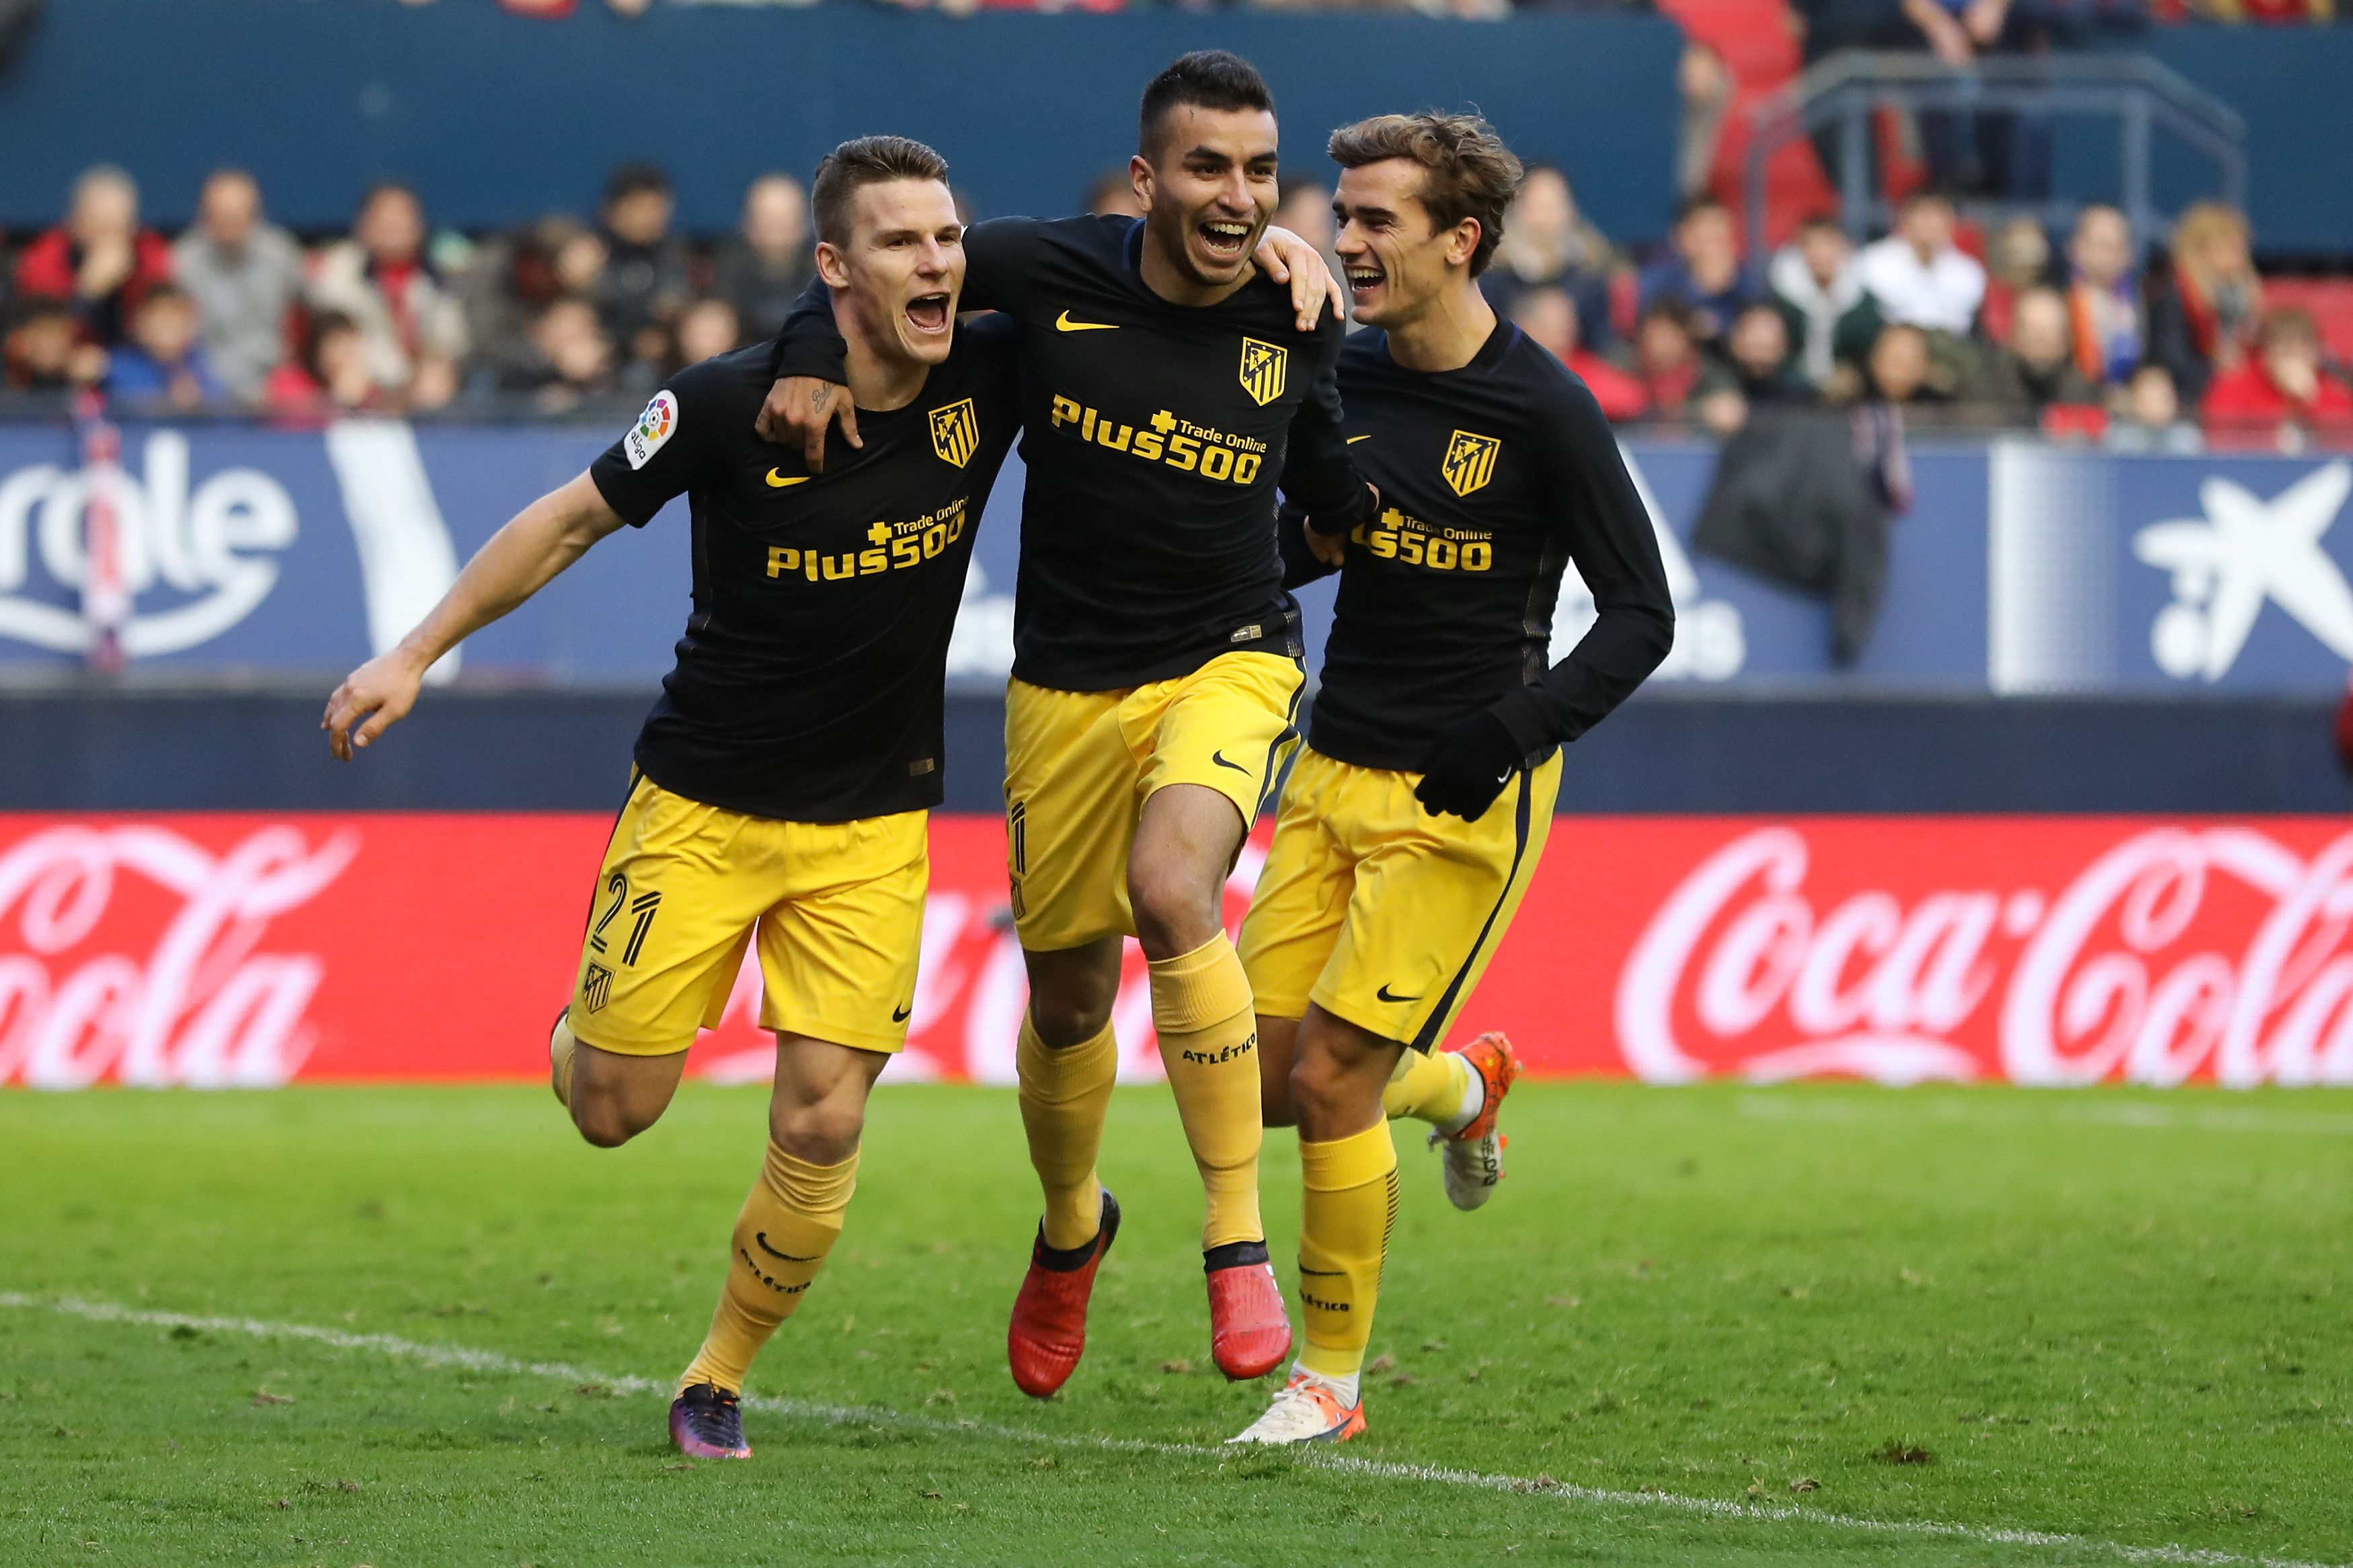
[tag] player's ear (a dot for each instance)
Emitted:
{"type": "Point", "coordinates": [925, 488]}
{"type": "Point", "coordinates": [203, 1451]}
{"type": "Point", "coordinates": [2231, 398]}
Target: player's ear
{"type": "Point", "coordinates": [1140, 177]}
{"type": "Point", "coordinates": [1464, 243]}
{"type": "Point", "coordinates": [831, 267]}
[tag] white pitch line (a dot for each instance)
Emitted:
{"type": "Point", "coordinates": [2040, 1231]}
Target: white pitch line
{"type": "Point", "coordinates": [393, 1346]}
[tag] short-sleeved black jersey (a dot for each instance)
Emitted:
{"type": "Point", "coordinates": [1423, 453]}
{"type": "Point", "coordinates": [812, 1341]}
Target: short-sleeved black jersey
{"type": "Point", "coordinates": [808, 684]}
{"type": "Point", "coordinates": [1491, 476]}
{"type": "Point", "coordinates": [1155, 436]}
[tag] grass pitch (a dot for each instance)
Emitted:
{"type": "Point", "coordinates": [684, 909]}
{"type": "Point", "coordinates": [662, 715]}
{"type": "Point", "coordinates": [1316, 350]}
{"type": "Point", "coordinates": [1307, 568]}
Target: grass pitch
{"type": "Point", "coordinates": [1820, 1324]}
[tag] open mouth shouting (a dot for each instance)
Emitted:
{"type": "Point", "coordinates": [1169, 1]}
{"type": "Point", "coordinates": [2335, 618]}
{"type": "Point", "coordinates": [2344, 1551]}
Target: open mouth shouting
{"type": "Point", "coordinates": [928, 315]}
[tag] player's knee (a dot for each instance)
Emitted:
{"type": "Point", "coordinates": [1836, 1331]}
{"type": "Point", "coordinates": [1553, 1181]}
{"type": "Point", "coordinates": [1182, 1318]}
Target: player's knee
{"type": "Point", "coordinates": [821, 1131]}
{"type": "Point", "coordinates": [1176, 904]}
{"type": "Point", "coordinates": [606, 1120]}
{"type": "Point", "coordinates": [1327, 1091]}
{"type": "Point", "coordinates": [1069, 1019]}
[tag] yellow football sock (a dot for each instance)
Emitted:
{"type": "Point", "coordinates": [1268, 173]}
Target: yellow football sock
{"type": "Point", "coordinates": [787, 1225]}
{"type": "Point", "coordinates": [1208, 1041]}
{"type": "Point", "coordinates": [1351, 1202]}
{"type": "Point", "coordinates": [1064, 1097]}
{"type": "Point", "coordinates": [1429, 1086]}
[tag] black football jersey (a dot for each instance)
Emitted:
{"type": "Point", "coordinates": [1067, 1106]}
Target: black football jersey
{"type": "Point", "coordinates": [808, 687]}
{"type": "Point", "coordinates": [1493, 478]}
{"type": "Point", "coordinates": [1155, 436]}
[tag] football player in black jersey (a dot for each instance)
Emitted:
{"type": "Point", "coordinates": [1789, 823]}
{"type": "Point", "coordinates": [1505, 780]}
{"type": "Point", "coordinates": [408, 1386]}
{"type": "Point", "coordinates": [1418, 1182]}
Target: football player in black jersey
{"type": "Point", "coordinates": [783, 779]}
{"type": "Point", "coordinates": [1167, 387]}
{"type": "Point", "coordinates": [1413, 821]}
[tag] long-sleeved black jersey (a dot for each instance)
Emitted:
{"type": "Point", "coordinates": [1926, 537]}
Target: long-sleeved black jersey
{"type": "Point", "coordinates": [808, 686]}
{"type": "Point", "coordinates": [1156, 435]}
{"type": "Point", "coordinates": [1492, 477]}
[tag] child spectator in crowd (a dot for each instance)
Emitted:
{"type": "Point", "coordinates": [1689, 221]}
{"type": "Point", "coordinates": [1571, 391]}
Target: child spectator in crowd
{"type": "Point", "coordinates": [98, 260]}
{"type": "Point", "coordinates": [1548, 316]}
{"type": "Point", "coordinates": [1898, 371]}
{"type": "Point", "coordinates": [2281, 384]}
{"type": "Point", "coordinates": [1755, 369]}
{"type": "Point", "coordinates": [2149, 417]}
{"type": "Point", "coordinates": [1547, 244]}
{"type": "Point", "coordinates": [44, 352]}
{"type": "Point", "coordinates": [1829, 317]}
{"type": "Point", "coordinates": [2200, 315]}
{"type": "Point", "coordinates": [245, 275]}
{"type": "Point", "coordinates": [1666, 358]}
{"type": "Point", "coordinates": [1918, 276]}
{"type": "Point", "coordinates": [2037, 369]}
{"type": "Point", "coordinates": [2102, 303]}
{"type": "Point", "coordinates": [514, 279]}
{"type": "Point", "coordinates": [706, 328]}
{"type": "Point", "coordinates": [164, 367]}
{"type": "Point", "coordinates": [646, 281]}
{"type": "Point", "coordinates": [2017, 259]}
{"type": "Point", "coordinates": [571, 361]}
{"type": "Point", "coordinates": [332, 377]}
{"type": "Point", "coordinates": [1703, 271]}
{"type": "Point", "coordinates": [411, 329]}
{"type": "Point", "coordinates": [762, 270]}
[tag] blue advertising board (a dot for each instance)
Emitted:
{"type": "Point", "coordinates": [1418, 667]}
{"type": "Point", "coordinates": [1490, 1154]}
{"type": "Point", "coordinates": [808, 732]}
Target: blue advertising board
{"type": "Point", "coordinates": [2021, 566]}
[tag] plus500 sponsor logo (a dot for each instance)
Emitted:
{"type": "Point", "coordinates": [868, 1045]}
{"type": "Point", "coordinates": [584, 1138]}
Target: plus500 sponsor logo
{"type": "Point", "coordinates": [215, 545]}
{"type": "Point", "coordinates": [2176, 953]}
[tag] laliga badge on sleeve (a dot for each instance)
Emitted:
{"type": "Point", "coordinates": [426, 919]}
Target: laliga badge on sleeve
{"type": "Point", "coordinates": [654, 426]}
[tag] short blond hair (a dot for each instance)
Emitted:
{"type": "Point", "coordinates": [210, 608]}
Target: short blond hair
{"type": "Point", "coordinates": [1469, 172]}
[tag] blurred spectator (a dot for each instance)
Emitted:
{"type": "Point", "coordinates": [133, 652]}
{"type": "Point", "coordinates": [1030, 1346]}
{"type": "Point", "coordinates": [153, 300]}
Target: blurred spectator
{"type": "Point", "coordinates": [245, 274]}
{"type": "Point", "coordinates": [412, 332]}
{"type": "Point", "coordinates": [572, 358]}
{"type": "Point", "coordinates": [1304, 207]}
{"type": "Point", "coordinates": [1548, 316]}
{"type": "Point", "coordinates": [514, 279]}
{"type": "Point", "coordinates": [708, 327]}
{"type": "Point", "coordinates": [1755, 370]}
{"type": "Point", "coordinates": [2037, 369]}
{"type": "Point", "coordinates": [2199, 315]}
{"type": "Point", "coordinates": [2281, 383]}
{"type": "Point", "coordinates": [1706, 88]}
{"type": "Point", "coordinates": [1821, 291]}
{"type": "Point", "coordinates": [100, 259]}
{"type": "Point", "coordinates": [333, 377]}
{"type": "Point", "coordinates": [1918, 276]}
{"type": "Point", "coordinates": [1113, 194]}
{"type": "Point", "coordinates": [44, 352]}
{"type": "Point", "coordinates": [2148, 417]}
{"type": "Point", "coordinates": [2017, 258]}
{"type": "Point", "coordinates": [1899, 370]}
{"type": "Point", "coordinates": [1703, 271]}
{"type": "Point", "coordinates": [1547, 244]}
{"type": "Point", "coordinates": [762, 270]}
{"type": "Point", "coordinates": [1666, 358]}
{"type": "Point", "coordinates": [2103, 300]}
{"type": "Point", "coordinates": [646, 281]}
{"type": "Point", "coordinates": [164, 364]}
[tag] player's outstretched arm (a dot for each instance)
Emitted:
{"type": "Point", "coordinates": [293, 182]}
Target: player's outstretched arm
{"type": "Point", "coordinates": [1287, 258]}
{"type": "Point", "coordinates": [520, 559]}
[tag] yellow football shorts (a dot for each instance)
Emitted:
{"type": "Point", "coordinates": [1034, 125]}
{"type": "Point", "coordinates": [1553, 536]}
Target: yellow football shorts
{"type": "Point", "coordinates": [1380, 913]}
{"type": "Point", "coordinates": [836, 909]}
{"type": "Point", "coordinates": [1078, 766]}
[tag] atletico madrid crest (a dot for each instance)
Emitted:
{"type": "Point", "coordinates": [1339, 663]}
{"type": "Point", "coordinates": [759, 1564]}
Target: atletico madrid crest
{"type": "Point", "coordinates": [1470, 461]}
{"type": "Point", "coordinates": [956, 432]}
{"type": "Point", "coordinates": [1264, 366]}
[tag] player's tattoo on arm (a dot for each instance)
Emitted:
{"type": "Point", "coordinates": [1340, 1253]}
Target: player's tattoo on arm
{"type": "Point", "coordinates": [800, 409]}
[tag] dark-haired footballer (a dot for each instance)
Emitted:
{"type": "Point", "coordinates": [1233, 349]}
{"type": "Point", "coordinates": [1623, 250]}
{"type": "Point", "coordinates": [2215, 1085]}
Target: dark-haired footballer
{"type": "Point", "coordinates": [783, 780]}
{"type": "Point", "coordinates": [1414, 819]}
{"type": "Point", "coordinates": [1168, 386]}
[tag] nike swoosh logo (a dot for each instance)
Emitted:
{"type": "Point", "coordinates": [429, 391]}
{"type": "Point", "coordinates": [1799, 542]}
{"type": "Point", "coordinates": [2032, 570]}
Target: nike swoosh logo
{"type": "Point", "coordinates": [899, 1015]}
{"type": "Point", "coordinates": [1062, 323]}
{"type": "Point", "coordinates": [779, 481]}
{"type": "Point", "coordinates": [1353, 439]}
{"type": "Point", "coordinates": [762, 1238]}
{"type": "Point", "coordinates": [1220, 757]}
{"type": "Point", "coordinates": [1387, 996]}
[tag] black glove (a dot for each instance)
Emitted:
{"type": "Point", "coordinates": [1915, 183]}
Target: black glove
{"type": "Point", "coordinates": [1467, 766]}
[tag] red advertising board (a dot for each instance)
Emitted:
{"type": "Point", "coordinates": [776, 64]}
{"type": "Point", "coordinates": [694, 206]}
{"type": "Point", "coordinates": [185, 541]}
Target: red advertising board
{"type": "Point", "coordinates": [249, 950]}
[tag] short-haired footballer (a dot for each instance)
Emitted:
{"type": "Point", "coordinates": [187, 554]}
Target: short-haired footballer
{"type": "Point", "coordinates": [784, 778]}
{"type": "Point", "coordinates": [1414, 818]}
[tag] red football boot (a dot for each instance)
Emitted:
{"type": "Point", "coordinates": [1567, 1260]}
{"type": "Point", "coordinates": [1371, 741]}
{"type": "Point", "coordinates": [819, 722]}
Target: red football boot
{"type": "Point", "coordinates": [1049, 1332]}
{"type": "Point", "coordinates": [1250, 1332]}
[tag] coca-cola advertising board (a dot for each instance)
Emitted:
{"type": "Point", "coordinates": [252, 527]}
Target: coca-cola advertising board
{"type": "Point", "coordinates": [246, 949]}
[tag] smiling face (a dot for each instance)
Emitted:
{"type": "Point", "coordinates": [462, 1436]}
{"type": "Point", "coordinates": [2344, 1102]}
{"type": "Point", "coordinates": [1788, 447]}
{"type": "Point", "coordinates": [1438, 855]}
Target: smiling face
{"type": "Point", "coordinates": [1211, 189]}
{"type": "Point", "coordinates": [902, 265]}
{"type": "Point", "coordinates": [1396, 264]}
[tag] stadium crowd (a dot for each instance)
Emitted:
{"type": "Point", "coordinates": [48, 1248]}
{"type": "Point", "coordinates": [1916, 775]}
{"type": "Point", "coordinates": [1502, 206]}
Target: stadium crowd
{"type": "Point", "coordinates": [2094, 332]}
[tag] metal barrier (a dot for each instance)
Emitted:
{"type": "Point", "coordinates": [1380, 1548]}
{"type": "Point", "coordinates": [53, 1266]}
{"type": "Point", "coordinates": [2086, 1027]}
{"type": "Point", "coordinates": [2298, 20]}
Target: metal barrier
{"type": "Point", "coordinates": [2143, 96]}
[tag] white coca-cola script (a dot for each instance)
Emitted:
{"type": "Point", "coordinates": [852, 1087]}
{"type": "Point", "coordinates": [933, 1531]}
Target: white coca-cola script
{"type": "Point", "coordinates": [87, 993]}
{"type": "Point", "coordinates": [2177, 952]}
